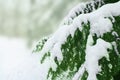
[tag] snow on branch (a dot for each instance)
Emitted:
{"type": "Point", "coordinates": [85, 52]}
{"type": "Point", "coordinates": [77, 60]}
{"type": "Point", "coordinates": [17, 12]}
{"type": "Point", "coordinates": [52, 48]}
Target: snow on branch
{"type": "Point", "coordinates": [99, 24]}
{"type": "Point", "coordinates": [82, 8]}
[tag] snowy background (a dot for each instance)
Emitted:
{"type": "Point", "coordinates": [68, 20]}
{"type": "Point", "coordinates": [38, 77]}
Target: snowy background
{"type": "Point", "coordinates": [17, 62]}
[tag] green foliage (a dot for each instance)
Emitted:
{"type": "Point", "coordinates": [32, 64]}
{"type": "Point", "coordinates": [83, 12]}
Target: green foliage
{"type": "Point", "coordinates": [73, 51]}
{"type": "Point", "coordinates": [40, 45]}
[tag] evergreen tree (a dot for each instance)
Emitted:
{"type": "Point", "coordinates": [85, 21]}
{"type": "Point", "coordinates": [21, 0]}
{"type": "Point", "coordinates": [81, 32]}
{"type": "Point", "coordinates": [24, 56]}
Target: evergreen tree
{"type": "Point", "coordinates": [87, 44]}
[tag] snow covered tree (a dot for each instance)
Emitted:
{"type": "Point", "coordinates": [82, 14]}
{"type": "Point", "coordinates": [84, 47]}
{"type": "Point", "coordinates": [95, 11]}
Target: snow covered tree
{"type": "Point", "coordinates": [87, 44]}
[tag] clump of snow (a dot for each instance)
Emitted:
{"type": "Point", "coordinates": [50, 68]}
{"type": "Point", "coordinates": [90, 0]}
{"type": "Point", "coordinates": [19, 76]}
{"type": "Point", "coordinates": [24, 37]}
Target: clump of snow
{"type": "Point", "coordinates": [93, 55]}
{"type": "Point", "coordinates": [102, 26]}
{"type": "Point", "coordinates": [57, 51]}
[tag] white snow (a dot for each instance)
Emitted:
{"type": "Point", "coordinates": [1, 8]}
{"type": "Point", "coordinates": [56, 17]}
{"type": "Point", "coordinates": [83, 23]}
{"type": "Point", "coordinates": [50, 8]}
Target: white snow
{"type": "Point", "coordinates": [18, 63]}
{"type": "Point", "coordinates": [57, 51]}
{"type": "Point", "coordinates": [93, 54]}
{"type": "Point", "coordinates": [102, 26]}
